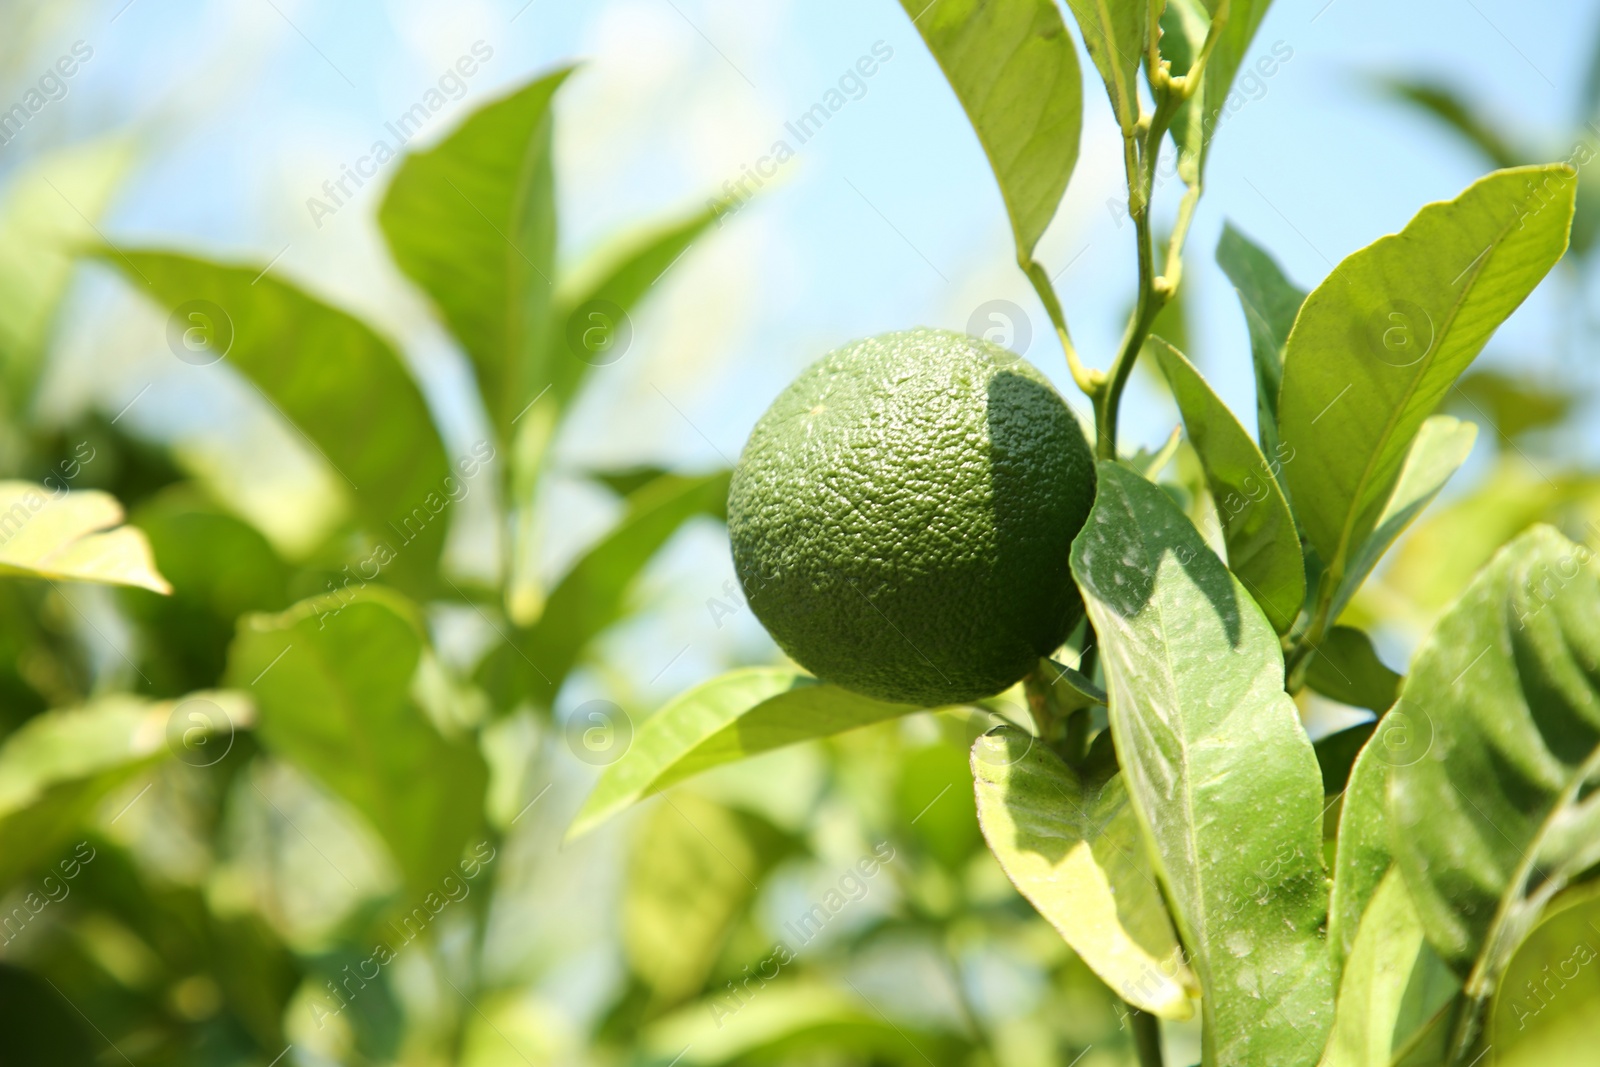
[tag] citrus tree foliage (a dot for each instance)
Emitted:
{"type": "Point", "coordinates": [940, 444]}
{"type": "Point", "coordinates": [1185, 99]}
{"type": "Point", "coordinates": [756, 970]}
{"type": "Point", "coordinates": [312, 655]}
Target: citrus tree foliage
{"type": "Point", "coordinates": [1361, 900]}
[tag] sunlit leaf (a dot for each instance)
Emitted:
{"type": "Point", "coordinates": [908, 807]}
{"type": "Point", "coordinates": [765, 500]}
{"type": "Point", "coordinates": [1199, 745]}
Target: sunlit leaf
{"type": "Point", "coordinates": [1263, 547]}
{"type": "Point", "coordinates": [1544, 1007]}
{"type": "Point", "coordinates": [1394, 985]}
{"type": "Point", "coordinates": [732, 717]}
{"type": "Point", "coordinates": [74, 536]}
{"type": "Point", "coordinates": [472, 221]}
{"type": "Point", "coordinates": [1219, 770]}
{"type": "Point", "coordinates": [1440, 448]}
{"type": "Point", "coordinates": [1379, 343]}
{"type": "Point", "coordinates": [691, 870]}
{"type": "Point", "coordinates": [335, 379]}
{"type": "Point", "coordinates": [794, 1021]}
{"type": "Point", "coordinates": [1503, 814]}
{"type": "Point", "coordinates": [58, 766]}
{"type": "Point", "coordinates": [1187, 22]}
{"type": "Point", "coordinates": [1015, 71]}
{"type": "Point", "coordinates": [332, 678]}
{"type": "Point", "coordinates": [48, 210]}
{"type": "Point", "coordinates": [1364, 852]}
{"type": "Point", "coordinates": [1114, 33]}
{"type": "Point", "coordinates": [1074, 849]}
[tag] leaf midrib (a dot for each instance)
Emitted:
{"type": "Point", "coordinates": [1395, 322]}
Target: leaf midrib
{"type": "Point", "coordinates": [1341, 559]}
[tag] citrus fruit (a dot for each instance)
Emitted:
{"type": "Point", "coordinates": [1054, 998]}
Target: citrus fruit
{"type": "Point", "coordinates": [901, 517]}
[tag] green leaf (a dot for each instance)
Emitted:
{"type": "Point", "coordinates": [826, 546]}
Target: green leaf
{"type": "Point", "coordinates": [1219, 770]}
{"type": "Point", "coordinates": [1393, 986]}
{"type": "Point", "coordinates": [343, 386]}
{"type": "Point", "coordinates": [620, 278]}
{"type": "Point", "coordinates": [1270, 303]}
{"type": "Point", "coordinates": [1365, 852]}
{"type": "Point", "coordinates": [794, 1021]}
{"type": "Point", "coordinates": [1544, 1008]}
{"type": "Point", "coordinates": [1346, 668]}
{"type": "Point", "coordinates": [1263, 547]}
{"type": "Point", "coordinates": [1336, 755]}
{"type": "Point", "coordinates": [1503, 813]}
{"type": "Point", "coordinates": [1015, 71]}
{"type": "Point", "coordinates": [1379, 343]}
{"type": "Point", "coordinates": [1513, 405]}
{"type": "Point", "coordinates": [627, 480]}
{"type": "Point", "coordinates": [732, 717]}
{"type": "Point", "coordinates": [1069, 690]}
{"type": "Point", "coordinates": [1075, 850]}
{"type": "Point", "coordinates": [57, 767]}
{"type": "Point", "coordinates": [1114, 32]}
{"type": "Point", "coordinates": [1457, 114]}
{"type": "Point", "coordinates": [473, 222]}
{"type": "Point", "coordinates": [590, 597]}
{"type": "Point", "coordinates": [333, 681]}
{"type": "Point", "coordinates": [72, 536]}
{"type": "Point", "coordinates": [1188, 21]}
{"type": "Point", "coordinates": [690, 874]}
{"type": "Point", "coordinates": [49, 208]}
{"type": "Point", "coordinates": [1440, 448]}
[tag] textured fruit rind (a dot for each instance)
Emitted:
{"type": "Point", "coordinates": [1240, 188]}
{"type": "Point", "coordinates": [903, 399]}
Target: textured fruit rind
{"type": "Point", "coordinates": [902, 517]}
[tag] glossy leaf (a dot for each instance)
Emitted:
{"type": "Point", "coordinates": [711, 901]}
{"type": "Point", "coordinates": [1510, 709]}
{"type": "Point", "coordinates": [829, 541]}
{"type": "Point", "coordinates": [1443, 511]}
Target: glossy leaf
{"type": "Point", "coordinates": [1394, 985]}
{"type": "Point", "coordinates": [1259, 531]}
{"type": "Point", "coordinates": [1219, 770]}
{"type": "Point", "coordinates": [49, 207]}
{"type": "Point", "coordinates": [473, 222]}
{"type": "Point", "coordinates": [1114, 33]}
{"type": "Point", "coordinates": [72, 536]}
{"type": "Point", "coordinates": [1069, 690]}
{"type": "Point", "coordinates": [590, 596]}
{"type": "Point", "coordinates": [1346, 668]}
{"type": "Point", "coordinates": [1015, 71]}
{"type": "Point", "coordinates": [1439, 450]}
{"type": "Point", "coordinates": [732, 717]}
{"type": "Point", "coordinates": [1074, 849]}
{"type": "Point", "coordinates": [335, 379]}
{"type": "Point", "coordinates": [1502, 815]}
{"type": "Point", "coordinates": [57, 767]}
{"type": "Point", "coordinates": [1365, 851]}
{"type": "Point", "coordinates": [1379, 343]}
{"type": "Point", "coordinates": [333, 680]}
{"type": "Point", "coordinates": [1270, 303]}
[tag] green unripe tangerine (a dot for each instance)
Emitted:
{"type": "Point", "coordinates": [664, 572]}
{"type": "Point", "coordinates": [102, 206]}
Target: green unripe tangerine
{"type": "Point", "coordinates": [902, 515]}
